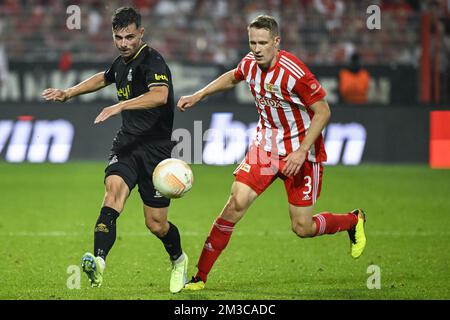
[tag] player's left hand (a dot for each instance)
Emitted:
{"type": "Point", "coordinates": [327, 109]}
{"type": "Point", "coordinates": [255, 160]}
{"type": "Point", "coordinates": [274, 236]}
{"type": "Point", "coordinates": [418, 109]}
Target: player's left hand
{"type": "Point", "coordinates": [107, 113]}
{"type": "Point", "coordinates": [294, 162]}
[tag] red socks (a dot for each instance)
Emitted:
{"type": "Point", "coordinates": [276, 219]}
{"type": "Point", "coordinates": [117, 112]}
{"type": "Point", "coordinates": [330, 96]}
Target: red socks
{"type": "Point", "coordinates": [328, 223]}
{"type": "Point", "coordinates": [219, 236]}
{"type": "Point", "coordinates": [217, 241]}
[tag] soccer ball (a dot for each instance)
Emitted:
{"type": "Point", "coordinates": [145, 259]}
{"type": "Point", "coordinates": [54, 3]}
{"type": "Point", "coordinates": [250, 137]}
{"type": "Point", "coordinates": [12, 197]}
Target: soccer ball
{"type": "Point", "coordinates": [173, 178]}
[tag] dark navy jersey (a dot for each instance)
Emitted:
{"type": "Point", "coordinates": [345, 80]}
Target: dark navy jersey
{"type": "Point", "coordinates": [135, 77]}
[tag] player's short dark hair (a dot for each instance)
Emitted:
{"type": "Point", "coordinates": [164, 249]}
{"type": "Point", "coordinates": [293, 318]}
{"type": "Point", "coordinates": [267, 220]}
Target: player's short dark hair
{"type": "Point", "coordinates": [265, 22]}
{"type": "Point", "coordinates": [125, 16]}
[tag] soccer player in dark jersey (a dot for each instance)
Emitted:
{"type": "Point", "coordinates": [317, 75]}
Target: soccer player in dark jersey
{"type": "Point", "coordinates": [146, 103]}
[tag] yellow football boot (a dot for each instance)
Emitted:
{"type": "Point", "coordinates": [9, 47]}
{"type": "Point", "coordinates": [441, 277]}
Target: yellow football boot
{"type": "Point", "coordinates": [195, 284]}
{"type": "Point", "coordinates": [357, 235]}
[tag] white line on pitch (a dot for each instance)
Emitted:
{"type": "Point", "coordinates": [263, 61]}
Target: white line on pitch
{"type": "Point", "coordinates": [277, 233]}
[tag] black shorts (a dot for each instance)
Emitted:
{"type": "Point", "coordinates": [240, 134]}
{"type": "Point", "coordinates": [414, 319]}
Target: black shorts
{"type": "Point", "coordinates": [134, 158]}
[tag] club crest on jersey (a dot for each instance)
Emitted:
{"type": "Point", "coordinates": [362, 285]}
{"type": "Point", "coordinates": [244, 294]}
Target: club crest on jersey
{"type": "Point", "coordinates": [271, 87]}
{"type": "Point", "coordinates": [130, 75]}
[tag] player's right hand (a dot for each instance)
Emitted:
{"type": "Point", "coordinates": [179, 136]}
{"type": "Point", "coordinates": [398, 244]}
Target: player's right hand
{"type": "Point", "coordinates": [52, 94]}
{"type": "Point", "coordinates": [187, 102]}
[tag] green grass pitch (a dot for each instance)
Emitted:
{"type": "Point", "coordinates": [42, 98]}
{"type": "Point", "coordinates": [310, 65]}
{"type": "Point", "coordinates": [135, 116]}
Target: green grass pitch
{"type": "Point", "coordinates": [47, 214]}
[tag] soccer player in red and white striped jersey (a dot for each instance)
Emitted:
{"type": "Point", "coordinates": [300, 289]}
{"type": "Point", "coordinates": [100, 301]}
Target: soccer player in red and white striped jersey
{"type": "Point", "coordinates": [289, 145]}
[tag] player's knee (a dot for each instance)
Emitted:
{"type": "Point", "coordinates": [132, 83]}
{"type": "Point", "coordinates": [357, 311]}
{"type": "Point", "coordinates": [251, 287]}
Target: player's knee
{"type": "Point", "coordinates": [235, 206]}
{"type": "Point", "coordinates": [240, 200]}
{"type": "Point", "coordinates": [116, 193]}
{"type": "Point", "coordinates": [114, 200]}
{"type": "Point", "coordinates": [302, 231]}
{"type": "Point", "coordinates": [157, 228]}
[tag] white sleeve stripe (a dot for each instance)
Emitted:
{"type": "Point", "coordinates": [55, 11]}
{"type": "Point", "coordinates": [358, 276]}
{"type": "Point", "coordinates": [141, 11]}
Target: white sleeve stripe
{"type": "Point", "coordinates": [295, 73]}
{"type": "Point", "coordinates": [242, 67]}
{"type": "Point", "coordinates": [293, 65]}
{"type": "Point", "coordinates": [250, 70]}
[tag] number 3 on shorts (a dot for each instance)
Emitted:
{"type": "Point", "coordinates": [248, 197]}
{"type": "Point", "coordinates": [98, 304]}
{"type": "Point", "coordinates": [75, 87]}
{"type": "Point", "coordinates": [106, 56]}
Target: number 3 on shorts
{"type": "Point", "coordinates": [308, 185]}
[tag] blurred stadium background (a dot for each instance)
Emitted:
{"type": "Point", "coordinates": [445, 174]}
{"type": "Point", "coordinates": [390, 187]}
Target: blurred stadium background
{"type": "Point", "coordinates": [405, 64]}
{"type": "Point", "coordinates": [390, 120]}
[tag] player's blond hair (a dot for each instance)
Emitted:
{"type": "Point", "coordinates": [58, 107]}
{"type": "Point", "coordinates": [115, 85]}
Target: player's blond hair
{"type": "Point", "coordinates": [265, 22]}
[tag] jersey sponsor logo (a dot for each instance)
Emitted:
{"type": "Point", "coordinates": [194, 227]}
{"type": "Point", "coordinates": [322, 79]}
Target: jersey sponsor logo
{"type": "Point", "coordinates": [130, 75]}
{"type": "Point", "coordinates": [263, 101]}
{"type": "Point", "coordinates": [124, 92]}
{"type": "Point", "coordinates": [36, 141]}
{"type": "Point", "coordinates": [160, 77]}
{"type": "Point", "coordinates": [272, 87]}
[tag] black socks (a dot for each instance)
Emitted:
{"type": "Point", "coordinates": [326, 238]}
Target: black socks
{"type": "Point", "coordinates": [105, 232]}
{"type": "Point", "coordinates": [172, 242]}
{"type": "Point", "coordinates": [105, 235]}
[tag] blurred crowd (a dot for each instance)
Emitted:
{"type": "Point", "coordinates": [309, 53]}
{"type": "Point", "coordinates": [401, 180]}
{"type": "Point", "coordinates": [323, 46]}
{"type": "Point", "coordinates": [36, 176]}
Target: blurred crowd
{"type": "Point", "coordinates": [214, 31]}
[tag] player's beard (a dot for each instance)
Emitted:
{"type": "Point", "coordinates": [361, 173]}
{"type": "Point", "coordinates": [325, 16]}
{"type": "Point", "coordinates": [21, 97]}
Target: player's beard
{"type": "Point", "coordinates": [126, 55]}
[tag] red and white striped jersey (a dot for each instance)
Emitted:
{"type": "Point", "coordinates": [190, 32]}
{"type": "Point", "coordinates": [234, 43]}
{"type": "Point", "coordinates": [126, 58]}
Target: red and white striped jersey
{"type": "Point", "coordinates": [283, 95]}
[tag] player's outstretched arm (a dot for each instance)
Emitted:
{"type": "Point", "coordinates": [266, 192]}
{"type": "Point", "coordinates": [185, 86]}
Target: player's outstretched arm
{"type": "Point", "coordinates": [157, 96]}
{"type": "Point", "coordinates": [92, 84]}
{"type": "Point", "coordinates": [225, 82]}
